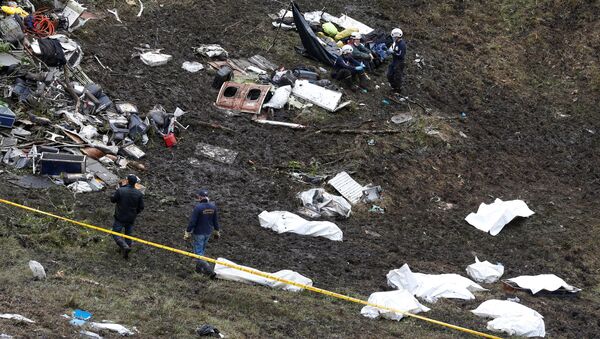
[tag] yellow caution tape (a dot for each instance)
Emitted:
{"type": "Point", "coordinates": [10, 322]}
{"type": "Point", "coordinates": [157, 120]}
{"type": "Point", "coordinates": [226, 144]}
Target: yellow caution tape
{"type": "Point", "coordinates": [255, 272]}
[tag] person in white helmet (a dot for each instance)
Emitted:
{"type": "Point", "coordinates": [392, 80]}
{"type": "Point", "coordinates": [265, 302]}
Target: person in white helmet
{"type": "Point", "coordinates": [396, 68]}
{"type": "Point", "coordinates": [360, 52]}
{"type": "Point", "coordinates": [348, 70]}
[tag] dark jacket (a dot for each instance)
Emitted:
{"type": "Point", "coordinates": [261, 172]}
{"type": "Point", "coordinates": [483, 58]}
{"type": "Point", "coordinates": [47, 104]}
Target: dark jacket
{"type": "Point", "coordinates": [129, 203]}
{"type": "Point", "coordinates": [398, 51]}
{"type": "Point", "coordinates": [204, 218]}
{"type": "Point", "coordinates": [348, 63]}
{"type": "Point", "coordinates": [361, 52]}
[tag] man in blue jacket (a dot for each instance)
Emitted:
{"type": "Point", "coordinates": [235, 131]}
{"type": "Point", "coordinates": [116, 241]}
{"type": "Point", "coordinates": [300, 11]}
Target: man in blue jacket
{"type": "Point", "coordinates": [129, 202]}
{"type": "Point", "coordinates": [202, 222]}
{"type": "Point", "coordinates": [348, 70]}
{"type": "Point", "coordinates": [396, 68]}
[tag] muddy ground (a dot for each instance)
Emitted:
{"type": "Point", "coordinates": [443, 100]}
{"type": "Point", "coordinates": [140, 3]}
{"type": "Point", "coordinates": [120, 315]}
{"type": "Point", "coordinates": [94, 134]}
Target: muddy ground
{"type": "Point", "coordinates": [525, 74]}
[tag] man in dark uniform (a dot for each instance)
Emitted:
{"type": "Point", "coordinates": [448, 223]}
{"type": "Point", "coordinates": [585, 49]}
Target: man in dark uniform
{"type": "Point", "coordinates": [202, 222]}
{"type": "Point", "coordinates": [129, 203]}
{"type": "Point", "coordinates": [396, 68]}
{"type": "Point", "coordinates": [348, 70]}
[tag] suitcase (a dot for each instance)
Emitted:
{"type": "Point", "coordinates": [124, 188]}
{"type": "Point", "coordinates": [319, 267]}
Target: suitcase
{"type": "Point", "coordinates": [223, 74]}
{"type": "Point", "coordinates": [57, 163]}
{"type": "Point", "coordinates": [7, 117]}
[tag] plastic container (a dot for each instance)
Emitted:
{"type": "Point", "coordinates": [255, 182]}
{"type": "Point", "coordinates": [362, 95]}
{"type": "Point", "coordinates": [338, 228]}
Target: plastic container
{"type": "Point", "coordinates": [170, 140]}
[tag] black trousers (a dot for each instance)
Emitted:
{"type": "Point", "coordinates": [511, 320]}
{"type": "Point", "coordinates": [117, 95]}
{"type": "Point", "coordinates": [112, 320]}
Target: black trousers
{"type": "Point", "coordinates": [395, 74]}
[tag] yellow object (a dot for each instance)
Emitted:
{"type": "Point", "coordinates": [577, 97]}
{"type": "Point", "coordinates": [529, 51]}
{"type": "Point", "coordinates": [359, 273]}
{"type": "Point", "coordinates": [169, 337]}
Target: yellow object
{"type": "Point", "coordinates": [14, 10]}
{"type": "Point", "coordinates": [254, 272]}
{"type": "Point", "coordinates": [330, 29]}
{"type": "Point", "coordinates": [345, 33]}
{"type": "Point", "coordinates": [340, 44]}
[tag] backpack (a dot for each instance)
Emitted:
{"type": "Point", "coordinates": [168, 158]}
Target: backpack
{"type": "Point", "coordinates": [52, 52]}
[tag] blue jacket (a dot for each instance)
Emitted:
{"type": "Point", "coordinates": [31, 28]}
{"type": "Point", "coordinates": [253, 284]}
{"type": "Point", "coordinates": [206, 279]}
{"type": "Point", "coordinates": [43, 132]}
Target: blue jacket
{"type": "Point", "coordinates": [204, 218]}
{"type": "Point", "coordinates": [346, 63]}
{"type": "Point", "coordinates": [398, 51]}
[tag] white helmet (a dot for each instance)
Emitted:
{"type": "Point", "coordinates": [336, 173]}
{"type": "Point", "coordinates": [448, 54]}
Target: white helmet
{"type": "Point", "coordinates": [347, 49]}
{"type": "Point", "coordinates": [396, 33]}
{"type": "Point", "coordinates": [356, 35]}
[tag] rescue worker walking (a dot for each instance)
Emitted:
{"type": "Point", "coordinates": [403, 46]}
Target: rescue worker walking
{"type": "Point", "coordinates": [129, 203]}
{"type": "Point", "coordinates": [396, 68]}
{"type": "Point", "coordinates": [348, 70]}
{"type": "Point", "coordinates": [202, 222]}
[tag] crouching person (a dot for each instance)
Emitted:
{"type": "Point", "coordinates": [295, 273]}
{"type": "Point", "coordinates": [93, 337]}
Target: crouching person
{"type": "Point", "coordinates": [349, 71]}
{"type": "Point", "coordinates": [203, 221]}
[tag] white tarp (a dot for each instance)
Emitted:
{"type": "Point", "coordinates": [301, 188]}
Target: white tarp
{"type": "Point", "coordinates": [511, 318]}
{"type": "Point", "coordinates": [282, 221]}
{"type": "Point", "coordinates": [37, 269]}
{"type": "Point", "coordinates": [492, 218]}
{"type": "Point", "coordinates": [401, 300]}
{"type": "Point", "coordinates": [122, 330]}
{"type": "Point", "coordinates": [16, 317]}
{"type": "Point", "coordinates": [325, 204]}
{"type": "Point", "coordinates": [548, 282]}
{"type": "Point", "coordinates": [495, 308]}
{"type": "Point", "coordinates": [227, 273]}
{"type": "Point", "coordinates": [430, 287]}
{"type": "Point", "coordinates": [485, 272]}
{"type": "Point", "coordinates": [280, 97]}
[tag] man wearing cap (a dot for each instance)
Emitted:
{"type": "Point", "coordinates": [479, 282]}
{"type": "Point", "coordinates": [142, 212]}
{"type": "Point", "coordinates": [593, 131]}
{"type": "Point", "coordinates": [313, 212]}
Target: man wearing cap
{"type": "Point", "coordinates": [202, 222]}
{"type": "Point", "coordinates": [129, 203]}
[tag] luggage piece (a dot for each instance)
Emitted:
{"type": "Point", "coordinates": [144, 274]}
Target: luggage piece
{"type": "Point", "coordinates": [223, 74]}
{"type": "Point", "coordinates": [57, 163]}
{"type": "Point", "coordinates": [7, 117]}
{"type": "Point", "coordinates": [308, 75]}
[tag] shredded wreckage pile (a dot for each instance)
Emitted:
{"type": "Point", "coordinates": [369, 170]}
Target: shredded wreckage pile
{"type": "Point", "coordinates": [59, 123]}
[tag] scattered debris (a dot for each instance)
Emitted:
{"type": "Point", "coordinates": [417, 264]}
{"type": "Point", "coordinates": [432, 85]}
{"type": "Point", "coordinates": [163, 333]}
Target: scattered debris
{"type": "Point", "coordinates": [227, 273]}
{"type": "Point", "coordinates": [542, 282]}
{"type": "Point", "coordinates": [211, 51]}
{"type": "Point", "coordinates": [401, 118]}
{"type": "Point", "coordinates": [318, 203]}
{"type": "Point", "coordinates": [80, 318]}
{"type": "Point", "coordinates": [282, 222]}
{"type": "Point", "coordinates": [377, 209]}
{"type": "Point", "coordinates": [16, 317]}
{"type": "Point", "coordinates": [280, 97]}
{"type": "Point", "coordinates": [492, 218]}
{"type": "Point", "coordinates": [431, 287]}
{"type": "Point", "coordinates": [37, 269]}
{"type": "Point", "coordinates": [353, 191]}
{"type": "Point", "coordinates": [209, 331]}
{"type": "Point", "coordinates": [401, 300]}
{"type": "Point", "coordinates": [115, 13]}
{"type": "Point", "coordinates": [511, 318]}
{"type": "Point", "coordinates": [216, 153]}
{"type": "Point", "coordinates": [320, 96]}
{"type": "Point", "coordinates": [485, 272]}
{"type": "Point", "coordinates": [192, 66]}
{"type": "Point", "coordinates": [155, 58]}
{"type": "Point", "coordinates": [248, 98]}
